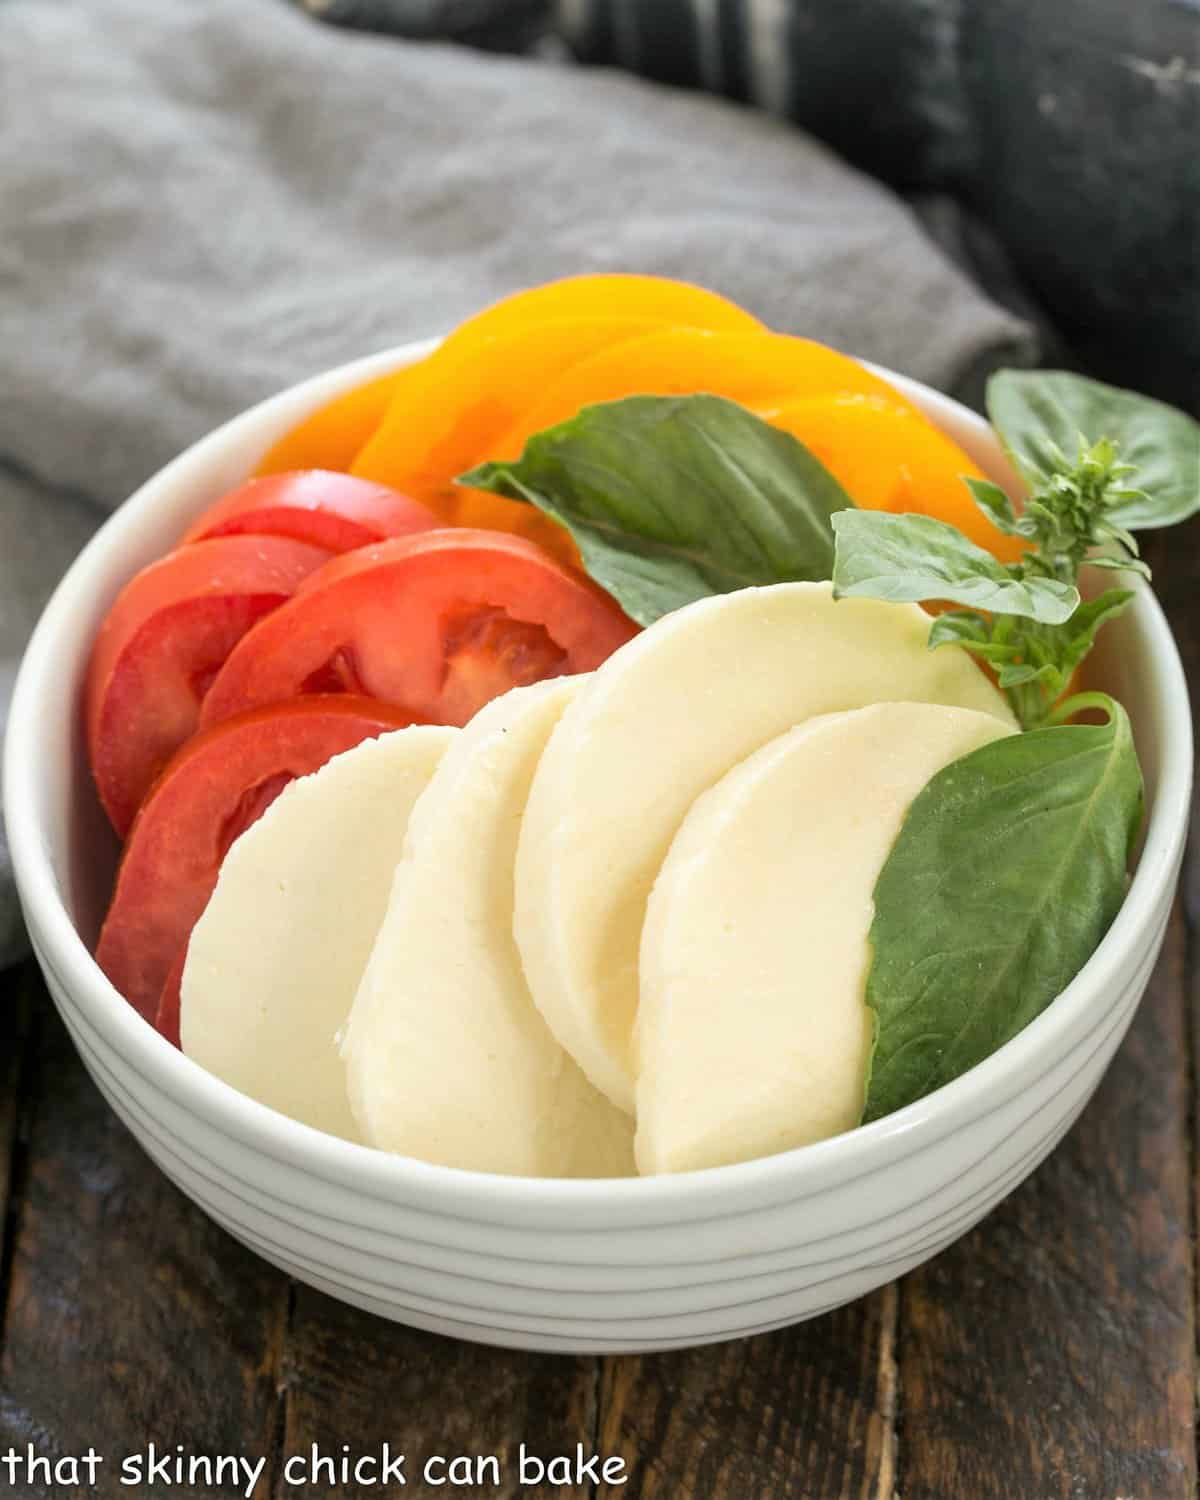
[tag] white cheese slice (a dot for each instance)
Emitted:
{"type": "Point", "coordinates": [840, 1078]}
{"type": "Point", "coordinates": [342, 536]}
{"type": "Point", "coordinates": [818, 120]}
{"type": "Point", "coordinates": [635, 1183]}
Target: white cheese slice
{"type": "Point", "coordinates": [663, 719]}
{"type": "Point", "coordinates": [447, 1058]}
{"type": "Point", "coordinates": [274, 962]}
{"type": "Point", "coordinates": [753, 1034]}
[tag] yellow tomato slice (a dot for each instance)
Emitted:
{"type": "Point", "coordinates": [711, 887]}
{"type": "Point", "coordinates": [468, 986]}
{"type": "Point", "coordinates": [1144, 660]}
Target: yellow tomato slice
{"type": "Point", "coordinates": [886, 458]}
{"type": "Point", "coordinates": [752, 368]}
{"type": "Point", "coordinates": [467, 393]}
{"type": "Point", "coordinates": [611, 295]}
{"type": "Point", "coordinates": [330, 437]}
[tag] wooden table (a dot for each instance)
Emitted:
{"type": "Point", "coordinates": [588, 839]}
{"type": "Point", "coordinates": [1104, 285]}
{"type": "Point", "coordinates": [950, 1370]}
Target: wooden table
{"type": "Point", "coordinates": [1050, 1353]}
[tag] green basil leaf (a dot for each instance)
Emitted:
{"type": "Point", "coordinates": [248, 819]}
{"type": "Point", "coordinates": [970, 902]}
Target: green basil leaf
{"type": "Point", "coordinates": [959, 628]}
{"type": "Point", "coordinates": [1007, 872]}
{"type": "Point", "coordinates": [882, 556]}
{"type": "Point", "coordinates": [1019, 673]}
{"type": "Point", "coordinates": [972, 633]}
{"type": "Point", "coordinates": [671, 499]}
{"type": "Point", "coordinates": [1040, 412]}
{"type": "Point", "coordinates": [1087, 620]}
{"type": "Point", "coordinates": [1106, 527]}
{"type": "Point", "coordinates": [1120, 565]}
{"type": "Point", "coordinates": [995, 504]}
{"type": "Point", "coordinates": [962, 628]}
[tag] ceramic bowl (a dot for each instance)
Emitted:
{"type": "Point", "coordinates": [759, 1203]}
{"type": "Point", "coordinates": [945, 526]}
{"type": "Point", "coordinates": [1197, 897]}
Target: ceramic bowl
{"type": "Point", "coordinates": [642, 1264]}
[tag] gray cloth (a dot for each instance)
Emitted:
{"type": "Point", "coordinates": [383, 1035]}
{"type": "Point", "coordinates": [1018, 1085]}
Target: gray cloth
{"type": "Point", "coordinates": [203, 203]}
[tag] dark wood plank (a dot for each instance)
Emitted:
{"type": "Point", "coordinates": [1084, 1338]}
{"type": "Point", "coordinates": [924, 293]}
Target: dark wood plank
{"type": "Point", "coordinates": [130, 1317]}
{"type": "Point", "coordinates": [807, 1412]}
{"type": "Point", "coordinates": [1175, 558]}
{"type": "Point", "coordinates": [16, 986]}
{"type": "Point", "coordinates": [1050, 1352]}
{"type": "Point", "coordinates": [351, 1380]}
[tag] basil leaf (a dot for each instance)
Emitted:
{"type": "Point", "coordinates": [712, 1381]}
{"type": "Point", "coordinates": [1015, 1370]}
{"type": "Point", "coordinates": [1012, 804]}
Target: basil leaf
{"type": "Point", "coordinates": [1120, 565]}
{"type": "Point", "coordinates": [671, 499]}
{"type": "Point", "coordinates": [1007, 872]}
{"type": "Point", "coordinates": [995, 504]}
{"type": "Point", "coordinates": [882, 556]}
{"type": "Point", "coordinates": [1087, 620]}
{"type": "Point", "coordinates": [1041, 415]}
{"type": "Point", "coordinates": [1021, 672]}
{"type": "Point", "coordinates": [961, 628]}
{"type": "Point", "coordinates": [972, 632]}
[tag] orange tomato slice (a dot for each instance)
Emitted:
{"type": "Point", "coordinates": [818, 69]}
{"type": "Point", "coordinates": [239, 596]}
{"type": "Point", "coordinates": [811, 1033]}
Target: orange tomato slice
{"type": "Point", "coordinates": [331, 436]}
{"type": "Point", "coordinates": [885, 458]}
{"type": "Point", "coordinates": [467, 394]}
{"type": "Point", "coordinates": [611, 295]}
{"type": "Point", "coordinates": [753, 368]}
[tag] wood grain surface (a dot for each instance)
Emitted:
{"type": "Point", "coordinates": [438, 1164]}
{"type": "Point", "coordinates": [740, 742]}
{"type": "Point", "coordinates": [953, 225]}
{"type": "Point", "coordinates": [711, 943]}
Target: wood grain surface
{"type": "Point", "coordinates": [1048, 1355]}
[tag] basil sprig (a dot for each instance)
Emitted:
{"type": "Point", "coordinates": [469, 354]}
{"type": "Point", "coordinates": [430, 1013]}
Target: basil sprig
{"type": "Point", "coordinates": [1040, 415]}
{"type": "Point", "coordinates": [1007, 872]}
{"type": "Point", "coordinates": [1098, 461]}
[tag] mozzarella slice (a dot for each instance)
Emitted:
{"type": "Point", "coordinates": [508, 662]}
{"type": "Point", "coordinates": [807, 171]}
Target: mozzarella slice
{"type": "Point", "coordinates": [273, 964]}
{"type": "Point", "coordinates": [753, 1033]}
{"type": "Point", "coordinates": [447, 1058]}
{"type": "Point", "coordinates": [659, 723]}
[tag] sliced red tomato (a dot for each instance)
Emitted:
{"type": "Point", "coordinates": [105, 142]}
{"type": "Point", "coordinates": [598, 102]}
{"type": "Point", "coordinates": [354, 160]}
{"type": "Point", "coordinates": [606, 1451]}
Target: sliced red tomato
{"type": "Point", "coordinates": [441, 622]}
{"type": "Point", "coordinates": [334, 511]}
{"type": "Point", "coordinates": [169, 1016]}
{"type": "Point", "coordinates": [161, 645]}
{"type": "Point", "coordinates": [213, 789]}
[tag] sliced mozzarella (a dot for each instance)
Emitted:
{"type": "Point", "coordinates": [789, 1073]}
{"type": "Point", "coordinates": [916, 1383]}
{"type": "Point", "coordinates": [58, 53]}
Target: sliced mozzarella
{"type": "Point", "coordinates": [273, 964]}
{"type": "Point", "coordinates": [447, 1058]}
{"type": "Point", "coordinates": [753, 1034]}
{"type": "Point", "coordinates": [659, 723]}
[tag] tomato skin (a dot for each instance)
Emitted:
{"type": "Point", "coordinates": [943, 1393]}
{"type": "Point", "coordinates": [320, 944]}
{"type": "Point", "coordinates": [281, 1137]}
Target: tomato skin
{"type": "Point", "coordinates": [213, 789]}
{"type": "Point", "coordinates": [160, 645]}
{"type": "Point", "coordinates": [624, 294]}
{"type": "Point", "coordinates": [169, 1015]}
{"type": "Point", "coordinates": [333, 511]}
{"type": "Point", "coordinates": [441, 622]}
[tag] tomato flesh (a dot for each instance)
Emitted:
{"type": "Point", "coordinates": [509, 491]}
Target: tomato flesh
{"type": "Point", "coordinates": [213, 790]}
{"type": "Point", "coordinates": [160, 648]}
{"type": "Point", "coordinates": [334, 511]}
{"type": "Point", "coordinates": [441, 622]}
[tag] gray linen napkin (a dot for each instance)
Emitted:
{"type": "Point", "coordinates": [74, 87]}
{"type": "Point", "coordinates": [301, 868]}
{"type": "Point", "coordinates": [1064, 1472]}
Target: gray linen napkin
{"type": "Point", "coordinates": [202, 203]}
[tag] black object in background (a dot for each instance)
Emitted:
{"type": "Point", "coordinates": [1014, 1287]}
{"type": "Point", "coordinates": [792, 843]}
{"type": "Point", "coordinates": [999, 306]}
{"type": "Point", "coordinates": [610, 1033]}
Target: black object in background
{"type": "Point", "coordinates": [1068, 128]}
{"type": "Point", "coordinates": [1072, 129]}
{"type": "Point", "coordinates": [501, 25]}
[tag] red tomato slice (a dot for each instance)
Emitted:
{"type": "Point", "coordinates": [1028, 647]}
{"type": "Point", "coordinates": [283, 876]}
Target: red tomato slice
{"type": "Point", "coordinates": [161, 645]}
{"type": "Point", "coordinates": [217, 785]}
{"type": "Point", "coordinates": [442, 622]}
{"type": "Point", "coordinates": [169, 1015]}
{"type": "Point", "coordinates": [334, 511]}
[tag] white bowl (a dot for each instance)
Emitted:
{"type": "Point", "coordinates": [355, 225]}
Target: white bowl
{"type": "Point", "coordinates": [642, 1264]}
